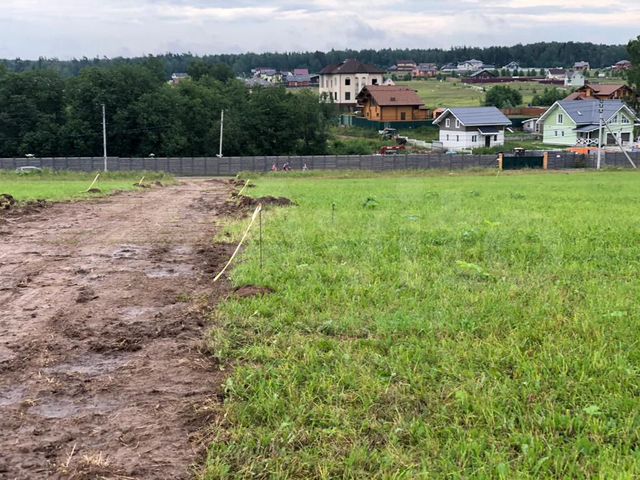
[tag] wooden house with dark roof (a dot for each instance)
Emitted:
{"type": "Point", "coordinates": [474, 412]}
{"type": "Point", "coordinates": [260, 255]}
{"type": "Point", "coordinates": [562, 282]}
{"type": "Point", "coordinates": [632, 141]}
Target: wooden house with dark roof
{"type": "Point", "coordinates": [604, 92]}
{"type": "Point", "coordinates": [381, 103]}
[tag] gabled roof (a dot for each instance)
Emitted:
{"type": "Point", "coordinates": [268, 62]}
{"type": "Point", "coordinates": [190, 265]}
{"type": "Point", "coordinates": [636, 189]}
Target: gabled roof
{"type": "Point", "coordinates": [299, 78]}
{"type": "Point", "coordinates": [391, 95]}
{"type": "Point", "coordinates": [586, 112]}
{"type": "Point", "coordinates": [301, 71]}
{"type": "Point", "coordinates": [557, 71]}
{"type": "Point", "coordinates": [350, 66]}
{"type": "Point", "coordinates": [604, 89]}
{"type": "Point", "coordinates": [480, 72]}
{"type": "Point", "coordinates": [476, 116]}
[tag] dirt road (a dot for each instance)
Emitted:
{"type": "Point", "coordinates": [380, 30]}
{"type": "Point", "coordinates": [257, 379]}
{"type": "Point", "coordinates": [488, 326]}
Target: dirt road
{"type": "Point", "coordinates": [102, 370]}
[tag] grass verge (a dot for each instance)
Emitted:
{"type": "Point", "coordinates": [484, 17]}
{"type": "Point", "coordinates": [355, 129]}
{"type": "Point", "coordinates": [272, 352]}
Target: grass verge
{"type": "Point", "coordinates": [57, 186]}
{"type": "Point", "coordinates": [436, 327]}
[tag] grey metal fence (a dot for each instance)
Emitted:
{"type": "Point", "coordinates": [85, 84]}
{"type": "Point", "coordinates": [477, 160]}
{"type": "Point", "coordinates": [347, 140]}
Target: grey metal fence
{"type": "Point", "coordinates": [227, 166]}
{"type": "Point", "coordinates": [213, 166]}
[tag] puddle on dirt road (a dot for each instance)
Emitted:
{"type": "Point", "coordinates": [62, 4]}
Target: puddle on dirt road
{"type": "Point", "coordinates": [129, 251]}
{"type": "Point", "coordinates": [11, 396]}
{"type": "Point", "coordinates": [90, 364]}
{"type": "Point", "coordinates": [166, 271]}
{"type": "Point", "coordinates": [6, 354]}
{"type": "Point", "coordinates": [65, 408]}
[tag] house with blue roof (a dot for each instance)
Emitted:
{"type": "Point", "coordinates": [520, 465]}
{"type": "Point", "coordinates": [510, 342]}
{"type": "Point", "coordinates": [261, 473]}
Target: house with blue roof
{"type": "Point", "coordinates": [576, 123]}
{"type": "Point", "coordinates": [472, 127]}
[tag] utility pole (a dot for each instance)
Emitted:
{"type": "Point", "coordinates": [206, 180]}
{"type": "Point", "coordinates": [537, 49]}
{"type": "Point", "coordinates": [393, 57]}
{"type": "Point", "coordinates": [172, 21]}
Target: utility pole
{"type": "Point", "coordinates": [221, 133]}
{"type": "Point", "coordinates": [104, 135]}
{"type": "Point", "coordinates": [600, 122]}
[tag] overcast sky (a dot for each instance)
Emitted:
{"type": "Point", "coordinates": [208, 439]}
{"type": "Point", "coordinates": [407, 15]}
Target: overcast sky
{"type": "Point", "coordinates": [75, 28]}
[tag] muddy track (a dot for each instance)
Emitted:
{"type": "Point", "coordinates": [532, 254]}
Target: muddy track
{"type": "Point", "coordinates": [102, 368]}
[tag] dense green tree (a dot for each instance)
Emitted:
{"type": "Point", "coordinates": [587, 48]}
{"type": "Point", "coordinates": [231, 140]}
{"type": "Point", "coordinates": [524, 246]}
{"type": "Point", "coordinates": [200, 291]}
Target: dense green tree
{"type": "Point", "coordinates": [219, 71]}
{"type": "Point", "coordinates": [633, 75]}
{"type": "Point", "coordinates": [503, 97]}
{"type": "Point", "coordinates": [32, 113]}
{"type": "Point", "coordinates": [548, 97]}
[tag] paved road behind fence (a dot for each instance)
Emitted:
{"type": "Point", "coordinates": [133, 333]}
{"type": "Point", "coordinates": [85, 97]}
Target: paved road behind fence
{"type": "Point", "coordinates": [213, 166]}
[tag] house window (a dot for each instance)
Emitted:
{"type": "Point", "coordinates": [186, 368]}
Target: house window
{"type": "Point", "coordinates": [457, 138]}
{"type": "Point", "coordinates": [556, 133]}
{"type": "Point", "coordinates": [560, 119]}
{"type": "Point", "coordinates": [447, 137]}
{"type": "Point", "coordinates": [448, 123]}
{"type": "Point", "coordinates": [347, 96]}
{"type": "Point", "coordinates": [347, 81]}
{"type": "Point", "coordinates": [625, 119]}
{"type": "Point", "coordinates": [335, 96]}
{"type": "Point", "coordinates": [374, 81]}
{"type": "Point", "coordinates": [495, 138]}
{"type": "Point", "coordinates": [403, 115]}
{"type": "Point", "coordinates": [474, 138]}
{"type": "Point", "coordinates": [457, 123]}
{"type": "Point", "coordinates": [562, 133]}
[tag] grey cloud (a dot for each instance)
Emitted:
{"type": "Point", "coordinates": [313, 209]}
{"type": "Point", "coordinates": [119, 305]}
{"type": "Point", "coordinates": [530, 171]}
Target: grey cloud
{"type": "Point", "coordinates": [68, 28]}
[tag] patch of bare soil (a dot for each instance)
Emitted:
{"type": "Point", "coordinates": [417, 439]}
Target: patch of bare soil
{"type": "Point", "coordinates": [248, 202]}
{"type": "Point", "coordinates": [102, 319]}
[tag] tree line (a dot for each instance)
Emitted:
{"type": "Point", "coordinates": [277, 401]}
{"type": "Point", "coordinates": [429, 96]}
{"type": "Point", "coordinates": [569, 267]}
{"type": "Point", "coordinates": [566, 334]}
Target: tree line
{"type": "Point", "coordinates": [45, 114]}
{"type": "Point", "coordinates": [535, 55]}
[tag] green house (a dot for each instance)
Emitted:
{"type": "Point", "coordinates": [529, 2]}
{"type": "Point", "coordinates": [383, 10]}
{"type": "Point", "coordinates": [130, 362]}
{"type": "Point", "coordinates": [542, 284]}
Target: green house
{"type": "Point", "coordinates": [576, 123]}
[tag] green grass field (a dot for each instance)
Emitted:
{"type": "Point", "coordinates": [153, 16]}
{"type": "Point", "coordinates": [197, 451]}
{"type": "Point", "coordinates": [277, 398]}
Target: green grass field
{"type": "Point", "coordinates": [456, 94]}
{"type": "Point", "coordinates": [57, 186]}
{"type": "Point", "coordinates": [452, 326]}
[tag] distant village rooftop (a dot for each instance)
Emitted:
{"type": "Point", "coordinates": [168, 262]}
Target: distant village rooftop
{"type": "Point", "coordinates": [350, 66]}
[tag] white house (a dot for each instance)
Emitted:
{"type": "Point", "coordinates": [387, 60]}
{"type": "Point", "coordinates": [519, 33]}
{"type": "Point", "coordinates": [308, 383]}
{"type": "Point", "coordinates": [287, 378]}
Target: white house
{"type": "Point", "coordinates": [574, 78]}
{"type": "Point", "coordinates": [470, 65]}
{"type": "Point", "coordinates": [341, 83]}
{"type": "Point", "coordinates": [472, 127]}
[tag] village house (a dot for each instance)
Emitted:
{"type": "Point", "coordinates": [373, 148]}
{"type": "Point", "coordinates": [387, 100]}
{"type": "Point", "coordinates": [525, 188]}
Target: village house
{"type": "Point", "coordinates": [177, 78]}
{"type": "Point", "coordinates": [531, 125]}
{"type": "Point", "coordinates": [621, 66]}
{"type": "Point", "coordinates": [472, 127]}
{"type": "Point", "coordinates": [472, 65]}
{"type": "Point", "coordinates": [382, 103]}
{"type": "Point", "coordinates": [512, 67]}
{"type": "Point", "coordinates": [448, 68]}
{"type": "Point", "coordinates": [603, 92]}
{"type": "Point", "coordinates": [582, 66]}
{"type": "Point", "coordinates": [298, 80]}
{"type": "Point", "coordinates": [405, 66]}
{"type": "Point", "coordinates": [483, 74]}
{"type": "Point", "coordinates": [576, 122]}
{"type": "Point", "coordinates": [574, 78]}
{"type": "Point", "coordinates": [425, 70]}
{"type": "Point", "coordinates": [556, 74]}
{"type": "Point", "coordinates": [341, 83]}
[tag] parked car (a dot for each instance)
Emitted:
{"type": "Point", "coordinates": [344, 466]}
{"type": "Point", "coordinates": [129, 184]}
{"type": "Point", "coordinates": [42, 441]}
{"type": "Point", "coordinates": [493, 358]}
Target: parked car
{"type": "Point", "coordinates": [28, 169]}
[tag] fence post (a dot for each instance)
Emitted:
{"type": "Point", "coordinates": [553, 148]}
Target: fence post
{"type": "Point", "coordinates": [545, 161]}
{"type": "Point", "coordinates": [500, 161]}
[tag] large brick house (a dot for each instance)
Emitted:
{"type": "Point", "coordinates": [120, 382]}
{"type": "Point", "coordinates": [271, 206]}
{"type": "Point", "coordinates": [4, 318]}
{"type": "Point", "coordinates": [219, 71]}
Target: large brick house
{"type": "Point", "coordinates": [341, 83]}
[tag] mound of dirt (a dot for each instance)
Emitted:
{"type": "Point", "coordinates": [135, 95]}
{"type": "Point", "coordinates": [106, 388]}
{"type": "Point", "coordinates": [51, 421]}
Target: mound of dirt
{"type": "Point", "coordinates": [247, 202]}
{"type": "Point", "coordinates": [94, 190]}
{"type": "Point", "coordinates": [249, 291]}
{"type": "Point", "coordinates": [7, 201]}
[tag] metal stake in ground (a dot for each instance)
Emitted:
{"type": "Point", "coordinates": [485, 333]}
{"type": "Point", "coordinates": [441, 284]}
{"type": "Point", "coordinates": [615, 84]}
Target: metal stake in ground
{"type": "Point", "coordinates": [260, 217]}
{"type": "Point", "coordinates": [333, 212]}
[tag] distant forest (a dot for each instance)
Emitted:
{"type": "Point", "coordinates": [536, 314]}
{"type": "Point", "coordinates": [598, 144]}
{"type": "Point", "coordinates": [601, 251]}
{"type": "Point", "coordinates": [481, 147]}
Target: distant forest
{"type": "Point", "coordinates": [543, 54]}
